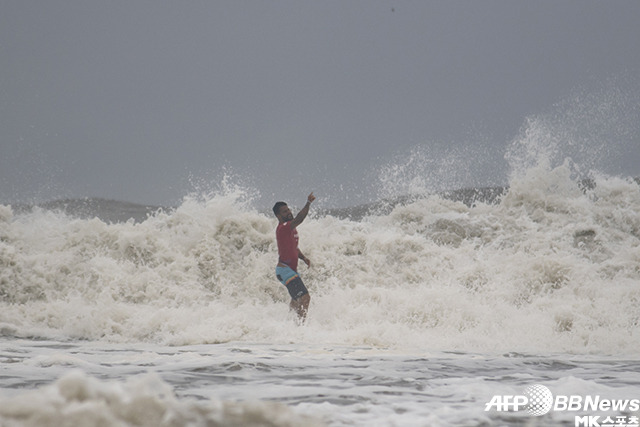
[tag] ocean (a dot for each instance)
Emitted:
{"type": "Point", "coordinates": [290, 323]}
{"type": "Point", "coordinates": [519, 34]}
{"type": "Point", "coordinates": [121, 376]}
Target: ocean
{"type": "Point", "coordinates": [435, 309]}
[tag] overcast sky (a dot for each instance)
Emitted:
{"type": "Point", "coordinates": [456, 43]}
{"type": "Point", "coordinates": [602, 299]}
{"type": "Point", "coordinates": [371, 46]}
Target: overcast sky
{"type": "Point", "coordinates": [145, 101]}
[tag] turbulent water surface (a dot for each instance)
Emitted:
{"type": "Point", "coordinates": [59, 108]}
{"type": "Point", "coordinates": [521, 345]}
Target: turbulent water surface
{"type": "Point", "coordinates": [421, 310]}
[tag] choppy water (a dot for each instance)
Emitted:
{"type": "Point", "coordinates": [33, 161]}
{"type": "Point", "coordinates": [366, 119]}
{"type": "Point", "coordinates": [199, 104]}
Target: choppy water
{"type": "Point", "coordinates": [88, 383]}
{"type": "Point", "coordinates": [422, 309]}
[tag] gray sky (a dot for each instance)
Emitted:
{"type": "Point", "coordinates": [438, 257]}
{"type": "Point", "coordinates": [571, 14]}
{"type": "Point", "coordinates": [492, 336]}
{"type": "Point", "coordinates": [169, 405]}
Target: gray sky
{"type": "Point", "coordinates": [145, 101]}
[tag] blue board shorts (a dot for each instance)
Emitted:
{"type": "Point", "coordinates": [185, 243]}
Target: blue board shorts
{"type": "Point", "coordinates": [292, 281]}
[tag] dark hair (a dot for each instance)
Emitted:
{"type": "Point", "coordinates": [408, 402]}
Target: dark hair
{"type": "Point", "coordinates": [277, 206]}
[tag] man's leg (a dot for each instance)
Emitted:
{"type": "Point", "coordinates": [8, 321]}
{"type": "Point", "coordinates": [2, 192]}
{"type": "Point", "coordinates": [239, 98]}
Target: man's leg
{"type": "Point", "coordinates": [301, 306]}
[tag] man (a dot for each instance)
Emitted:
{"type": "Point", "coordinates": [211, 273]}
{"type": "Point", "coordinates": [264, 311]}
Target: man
{"type": "Point", "coordinates": [287, 268]}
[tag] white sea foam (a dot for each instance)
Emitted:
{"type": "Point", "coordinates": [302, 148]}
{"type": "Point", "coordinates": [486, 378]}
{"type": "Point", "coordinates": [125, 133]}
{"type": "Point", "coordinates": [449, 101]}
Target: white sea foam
{"type": "Point", "coordinates": [77, 399]}
{"type": "Point", "coordinates": [551, 267]}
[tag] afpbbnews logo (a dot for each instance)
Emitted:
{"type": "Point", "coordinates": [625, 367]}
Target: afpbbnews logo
{"type": "Point", "coordinates": [538, 400]}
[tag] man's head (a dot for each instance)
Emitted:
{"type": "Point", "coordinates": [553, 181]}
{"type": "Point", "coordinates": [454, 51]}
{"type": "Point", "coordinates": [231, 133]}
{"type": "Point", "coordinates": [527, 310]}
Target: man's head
{"type": "Point", "coordinates": [282, 212]}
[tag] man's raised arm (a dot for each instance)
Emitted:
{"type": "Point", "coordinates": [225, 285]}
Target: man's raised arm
{"type": "Point", "coordinates": [303, 212]}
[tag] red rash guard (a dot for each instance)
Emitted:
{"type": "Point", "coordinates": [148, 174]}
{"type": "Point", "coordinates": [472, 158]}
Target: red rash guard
{"type": "Point", "coordinates": [287, 239]}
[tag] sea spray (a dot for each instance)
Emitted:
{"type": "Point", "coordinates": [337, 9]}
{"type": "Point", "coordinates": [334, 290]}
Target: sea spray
{"type": "Point", "coordinates": [550, 263]}
{"type": "Point", "coordinates": [551, 267]}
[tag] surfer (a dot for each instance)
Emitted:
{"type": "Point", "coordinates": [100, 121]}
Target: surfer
{"type": "Point", "coordinates": [289, 253]}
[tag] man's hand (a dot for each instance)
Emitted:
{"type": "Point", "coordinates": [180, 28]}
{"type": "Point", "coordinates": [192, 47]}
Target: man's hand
{"type": "Point", "coordinates": [311, 197]}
